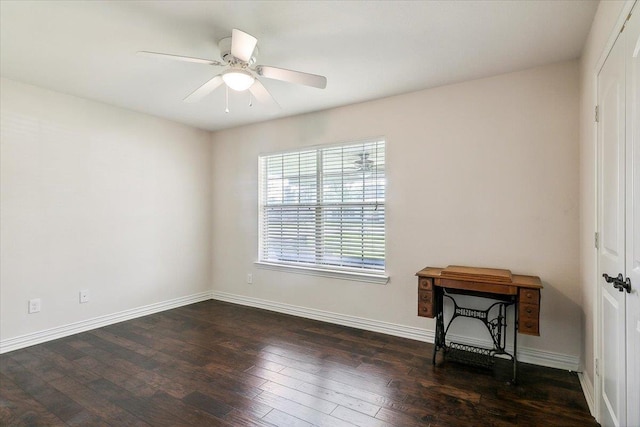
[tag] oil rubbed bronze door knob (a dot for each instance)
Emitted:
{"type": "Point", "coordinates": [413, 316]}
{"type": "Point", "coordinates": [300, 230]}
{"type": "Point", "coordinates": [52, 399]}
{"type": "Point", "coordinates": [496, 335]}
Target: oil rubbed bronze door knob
{"type": "Point", "coordinates": [619, 282]}
{"type": "Point", "coordinates": [626, 285]}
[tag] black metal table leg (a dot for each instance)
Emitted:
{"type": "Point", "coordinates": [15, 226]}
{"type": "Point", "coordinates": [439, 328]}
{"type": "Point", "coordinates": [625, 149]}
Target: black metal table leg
{"type": "Point", "coordinates": [497, 327]}
{"type": "Point", "coordinates": [438, 341]}
{"type": "Point", "coordinates": [515, 344]}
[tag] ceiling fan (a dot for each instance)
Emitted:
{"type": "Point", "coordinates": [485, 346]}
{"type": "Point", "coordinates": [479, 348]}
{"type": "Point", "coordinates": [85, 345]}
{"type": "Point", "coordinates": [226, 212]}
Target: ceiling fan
{"type": "Point", "coordinates": [238, 54]}
{"type": "Point", "coordinates": [363, 163]}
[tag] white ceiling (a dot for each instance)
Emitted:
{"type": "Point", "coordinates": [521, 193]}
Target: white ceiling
{"type": "Point", "coordinates": [366, 49]}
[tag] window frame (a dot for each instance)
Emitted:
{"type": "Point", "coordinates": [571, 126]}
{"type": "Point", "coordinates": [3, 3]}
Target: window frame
{"type": "Point", "coordinates": [333, 271]}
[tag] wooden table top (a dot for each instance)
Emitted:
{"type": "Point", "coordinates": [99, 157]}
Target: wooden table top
{"type": "Point", "coordinates": [481, 275]}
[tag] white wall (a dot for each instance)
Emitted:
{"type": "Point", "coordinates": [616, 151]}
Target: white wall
{"type": "Point", "coordinates": [95, 197]}
{"type": "Point", "coordinates": [100, 198]}
{"type": "Point", "coordinates": [481, 173]}
{"type": "Point", "coordinates": [598, 43]}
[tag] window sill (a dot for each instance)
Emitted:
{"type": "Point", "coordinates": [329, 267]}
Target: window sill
{"type": "Point", "coordinates": [380, 279]}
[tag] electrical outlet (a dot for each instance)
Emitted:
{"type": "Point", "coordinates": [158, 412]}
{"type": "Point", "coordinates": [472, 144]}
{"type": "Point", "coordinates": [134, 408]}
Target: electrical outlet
{"type": "Point", "coordinates": [250, 278]}
{"type": "Point", "coordinates": [84, 296]}
{"type": "Point", "coordinates": [35, 305]}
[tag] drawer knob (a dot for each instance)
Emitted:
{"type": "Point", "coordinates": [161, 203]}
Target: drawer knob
{"type": "Point", "coordinates": [528, 310]}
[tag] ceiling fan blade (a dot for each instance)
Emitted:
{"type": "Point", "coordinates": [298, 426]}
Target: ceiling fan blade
{"type": "Point", "coordinates": [242, 45]}
{"type": "Point", "coordinates": [262, 94]}
{"type": "Point", "coordinates": [292, 76]}
{"type": "Point", "coordinates": [179, 58]}
{"type": "Point", "coordinates": [205, 89]}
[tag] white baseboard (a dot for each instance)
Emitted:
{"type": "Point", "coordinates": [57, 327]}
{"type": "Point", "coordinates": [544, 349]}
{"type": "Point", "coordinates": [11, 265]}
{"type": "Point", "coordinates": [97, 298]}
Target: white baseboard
{"type": "Point", "coordinates": [526, 355]}
{"type": "Point", "coordinates": [33, 338]}
{"type": "Point", "coordinates": [410, 332]}
{"type": "Point", "coordinates": [587, 389]}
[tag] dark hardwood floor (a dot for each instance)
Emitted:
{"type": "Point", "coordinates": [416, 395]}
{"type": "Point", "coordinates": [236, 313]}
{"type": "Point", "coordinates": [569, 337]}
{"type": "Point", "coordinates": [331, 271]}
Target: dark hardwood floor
{"type": "Point", "coordinates": [215, 363]}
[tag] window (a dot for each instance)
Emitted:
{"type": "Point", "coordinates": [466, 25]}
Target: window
{"type": "Point", "coordinates": [324, 208]}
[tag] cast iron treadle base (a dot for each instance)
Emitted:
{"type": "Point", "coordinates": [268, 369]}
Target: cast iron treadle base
{"type": "Point", "coordinates": [469, 354]}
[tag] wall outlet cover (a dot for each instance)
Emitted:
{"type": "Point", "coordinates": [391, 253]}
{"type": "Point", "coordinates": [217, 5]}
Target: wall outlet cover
{"type": "Point", "coordinates": [35, 305]}
{"type": "Point", "coordinates": [84, 296]}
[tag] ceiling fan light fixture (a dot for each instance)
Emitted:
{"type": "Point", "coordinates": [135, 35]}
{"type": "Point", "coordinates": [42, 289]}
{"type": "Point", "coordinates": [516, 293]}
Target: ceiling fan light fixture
{"type": "Point", "coordinates": [238, 80]}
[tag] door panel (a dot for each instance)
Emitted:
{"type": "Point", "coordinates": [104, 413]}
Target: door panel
{"type": "Point", "coordinates": [632, 33]}
{"type": "Point", "coordinates": [611, 256]}
{"type": "Point", "coordinates": [614, 365]}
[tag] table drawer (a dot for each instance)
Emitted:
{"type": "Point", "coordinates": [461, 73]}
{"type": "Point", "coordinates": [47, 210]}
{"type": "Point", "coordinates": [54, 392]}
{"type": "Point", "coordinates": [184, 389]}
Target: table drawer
{"type": "Point", "coordinates": [491, 288]}
{"type": "Point", "coordinates": [529, 327]}
{"type": "Point", "coordinates": [425, 283]}
{"type": "Point", "coordinates": [529, 311]}
{"type": "Point", "coordinates": [425, 303]}
{"type": "Point", "coordinates": [425, 296]}
{"type": "Point", "coordinates": [529, 296]}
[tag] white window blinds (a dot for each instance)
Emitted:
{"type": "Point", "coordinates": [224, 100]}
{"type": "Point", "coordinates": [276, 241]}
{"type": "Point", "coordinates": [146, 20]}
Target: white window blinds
{"type": "Point", "coordinates": [324, 207]}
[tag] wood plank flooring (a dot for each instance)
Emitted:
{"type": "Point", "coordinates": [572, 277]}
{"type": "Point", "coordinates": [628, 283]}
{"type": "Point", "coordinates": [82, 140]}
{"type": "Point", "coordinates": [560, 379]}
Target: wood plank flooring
{"type": "Point", "coordinates": [220, 364]}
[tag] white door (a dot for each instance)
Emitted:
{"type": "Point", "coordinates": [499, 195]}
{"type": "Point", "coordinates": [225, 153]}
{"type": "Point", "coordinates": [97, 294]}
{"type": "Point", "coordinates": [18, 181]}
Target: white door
{"type": "Point", "coordinates": [632, 38]}
{"type": "Point", "coordinates": [619, 228]}
{"type": "Point", "coordinates": [611, 254]}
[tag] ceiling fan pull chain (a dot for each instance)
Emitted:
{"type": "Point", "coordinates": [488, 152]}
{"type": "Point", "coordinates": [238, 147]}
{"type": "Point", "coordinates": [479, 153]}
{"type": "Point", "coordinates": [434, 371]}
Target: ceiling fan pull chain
{"type": "Point", "coordinates": [250, 100]}
{"type": "Point", "coordinates": [226, 110]}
